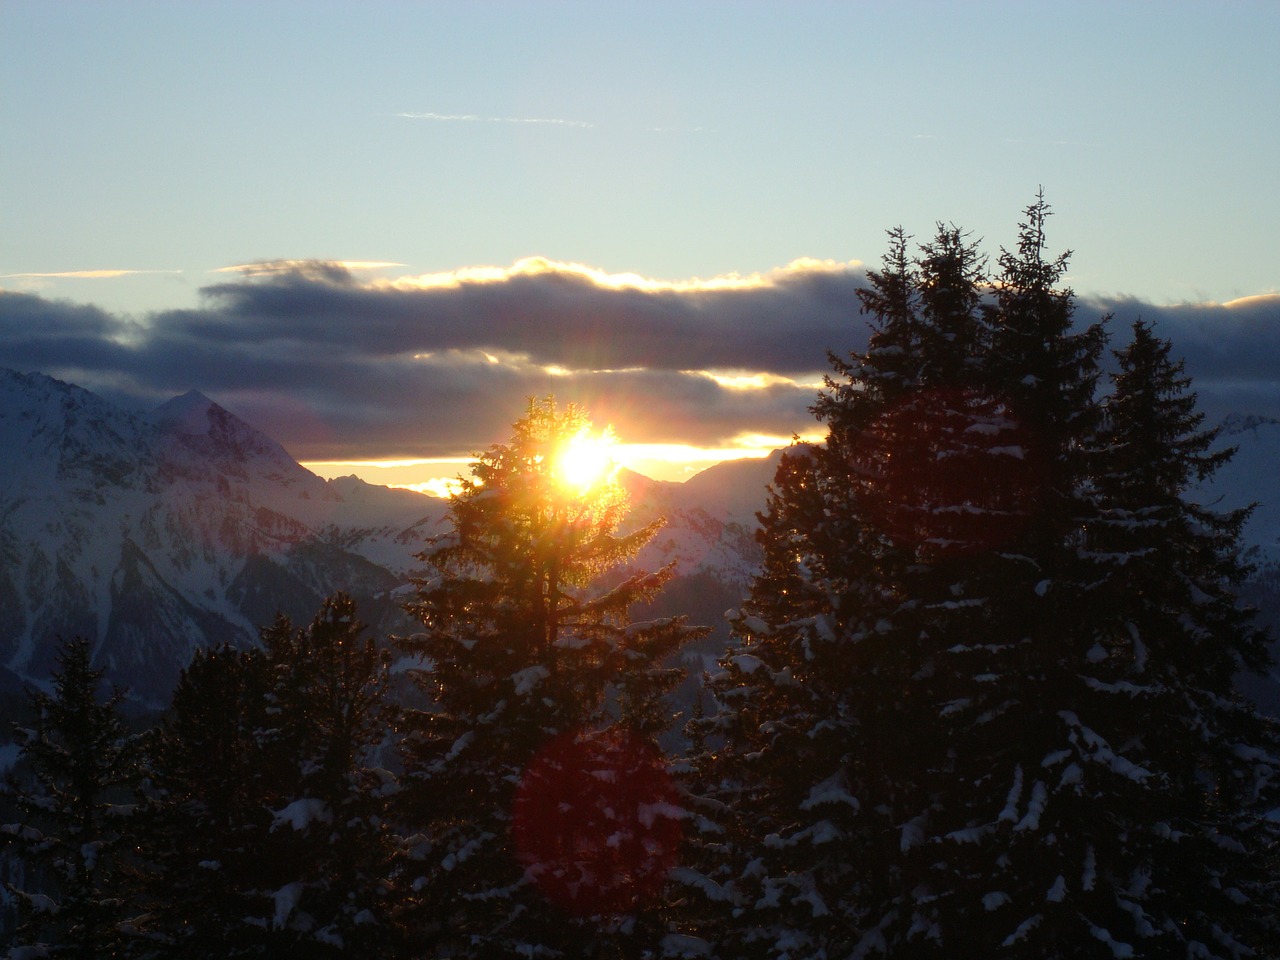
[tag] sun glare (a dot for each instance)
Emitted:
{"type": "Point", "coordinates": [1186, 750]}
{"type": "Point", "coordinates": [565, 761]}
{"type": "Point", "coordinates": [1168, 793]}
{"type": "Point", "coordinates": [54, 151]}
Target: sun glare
{"type": "Point", "coordinates": [587, 460]}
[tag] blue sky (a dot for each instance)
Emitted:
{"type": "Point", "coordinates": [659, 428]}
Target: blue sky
{"type": "Point", "coordinates": [672, 141]}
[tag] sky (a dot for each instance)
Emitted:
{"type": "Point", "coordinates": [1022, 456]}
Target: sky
{"type": "Point", "coordinates": [373, 229]}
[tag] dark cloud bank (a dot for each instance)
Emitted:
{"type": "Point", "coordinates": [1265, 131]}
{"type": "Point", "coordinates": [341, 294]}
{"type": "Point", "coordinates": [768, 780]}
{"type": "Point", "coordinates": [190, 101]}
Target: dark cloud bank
{"type": "Point", "coordinates": [336, 368]}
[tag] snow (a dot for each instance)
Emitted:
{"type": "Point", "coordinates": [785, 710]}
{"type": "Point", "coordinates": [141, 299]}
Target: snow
{"type": "Point", "coordinates": [301, 814]}
{"type": "Point", "coordinates": [1010, 812]}
{"type": "Point", "coordinates": [913, 833]}
{"type": "Point", "coordinates": [1058, 892]}
{"type": "Point", "coordinates": [746, 663]}
{"type": "Point", "coordinates": [832, 790]}
{"type": "Point", "coordinates": [41, 903]}
{"type": "Point", "coordinates": [1118, 949]}
{"type": "Point", "coordinates": [648, 813]}
{"type": "Point", "coordinates": [1090, 873]}
{"type": "Point", "coordinates": [286, 900]}
{"type": "Point", "coordinates": [527, 679]}
{"type": "Point", "coordinates": [1025, 927]}
{"type": "Point", "coordinates": [1035, 807]}
{"type": "Point", "coordinates": [713, 891]}
{"type": "Point", "coordinates": [994, 900]}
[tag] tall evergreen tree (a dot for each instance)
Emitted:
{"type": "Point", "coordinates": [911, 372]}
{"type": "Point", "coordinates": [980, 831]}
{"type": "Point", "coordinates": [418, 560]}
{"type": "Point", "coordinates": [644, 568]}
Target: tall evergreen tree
{"type": "Point", "coordinates": [1186, 768]}
{"type": "Point", "coordinates": [830, 750]}
{"type": "Point", "coordinates": [988, 862]}
{"type": "Point", "coordinates": [933, 726]}
{"type": "Point", "coordinates": [329, 721]}
{"type": "Point", "coordinates": [267, 829]}
{"type": "Point", "coordinates": [535, 676]}
{"type": "Point", "coordinates": [205, 858]}
{"type": "Point", "coordinates": [83, 770]}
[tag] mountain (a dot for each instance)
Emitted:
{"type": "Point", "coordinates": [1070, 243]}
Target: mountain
{"type": "Point", "coordinates": [156, 534]}
{"type": "Point", "coordinates": [159, 533]}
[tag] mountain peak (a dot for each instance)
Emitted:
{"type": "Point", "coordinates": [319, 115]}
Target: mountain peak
{"type": "Point", "coordinates": [189, 413]}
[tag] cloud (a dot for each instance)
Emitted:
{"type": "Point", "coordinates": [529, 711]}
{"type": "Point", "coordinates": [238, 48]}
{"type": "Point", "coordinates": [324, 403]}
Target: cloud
{"type": "Point", "coordinates": [1231, 350]}
{"type": "Point", "coordinates": [109, 274]}
{"type": "Point", "coordinates": [330, 268]}
{"type": "Point", "coordinates": [341, 367]}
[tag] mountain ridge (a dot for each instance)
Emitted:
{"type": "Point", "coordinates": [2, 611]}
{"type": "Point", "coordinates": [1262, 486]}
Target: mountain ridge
{"type": "Point", "coordinates": [158, 533]}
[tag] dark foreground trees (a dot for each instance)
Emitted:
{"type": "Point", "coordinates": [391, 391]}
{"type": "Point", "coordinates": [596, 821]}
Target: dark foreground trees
{"type": "Point", "coordinates": [538, 682]}
{"type": "Point", "coordinates": [75, 808]}
{"type": "Point", "coordinates": [980, 701]}
{"type": "Point", "coordinates": [266, 830]}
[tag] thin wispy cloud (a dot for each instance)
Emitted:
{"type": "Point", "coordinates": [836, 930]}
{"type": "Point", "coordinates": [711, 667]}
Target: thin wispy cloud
{"type": "Point", "coordinates": [108, 274]}
{"type": "Point", "coordinates": [475, 118]}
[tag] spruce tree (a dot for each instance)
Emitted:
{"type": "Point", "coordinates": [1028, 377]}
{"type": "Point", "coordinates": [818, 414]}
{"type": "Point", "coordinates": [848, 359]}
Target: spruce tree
{"type": "Point", "coordinates": [831, 750]}
{"type": "Point", "coordinates": [266, 830]}
{"type": "Point", "coordinates": [989, 859]}
{"type": "Point", "coordinates": [943, 715]}
{"type": "Point", "coordinates": [76, 805]}
{"type": "Point", "coordinates": [1185, 772]}
{"type": "Point", "coordinates": [329, 721]}
{"type": "Point", "coordinates": [205, 853]}
{"type": "Point", "coordinates": [537, 676]}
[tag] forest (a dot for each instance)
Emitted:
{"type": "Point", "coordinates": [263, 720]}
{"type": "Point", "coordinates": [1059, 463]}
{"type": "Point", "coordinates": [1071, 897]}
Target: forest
{"type": "Point", "coordinates": [978, 703]}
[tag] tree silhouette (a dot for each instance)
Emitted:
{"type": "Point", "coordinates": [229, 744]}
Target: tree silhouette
{"type": "Point", "coordinates": [534, 676]}
{"type": "Point", "coordinates": [76, 805]}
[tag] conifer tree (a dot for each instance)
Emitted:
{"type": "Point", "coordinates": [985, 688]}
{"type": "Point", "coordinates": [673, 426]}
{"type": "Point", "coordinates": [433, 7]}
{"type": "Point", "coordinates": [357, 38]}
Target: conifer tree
{"type": "Point", "coordinates": [942, 714]}
{"type": "Point", "coordinates": [75, 809]}
{"type": "Point", "coordinates": [830, 746]}
{"type": "Point", "coordinates": [536, 677]}
{"type": "Point", "coordinates": [328, 720]}
{"type": "Point", "coordinates": [205, 859]}
{"type": "Point", "coordinates": [267, 829]}
{"type": "Point", "coordinates": [1186, 869]}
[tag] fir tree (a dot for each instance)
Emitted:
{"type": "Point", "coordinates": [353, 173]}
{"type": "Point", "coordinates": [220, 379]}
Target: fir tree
{"type": "Point", "coordinates": [535, 677]}
{"type": "Point", "coordinates": [83, 769]}
{"type": "Point", "coordinates": [328, 719]}
{"type": "Point", "coordinates": [988, 857]}
{"type": "Point", "coordinates": [1186, 768]}
{"type": "Point", "coordinates": [266, 832]}
{"type": "Point", "coordinates": [204, 829]}
{"type": "Point", "coordinates": [979, 611]}
{"type": "Point", "coordinates": [830, 746]}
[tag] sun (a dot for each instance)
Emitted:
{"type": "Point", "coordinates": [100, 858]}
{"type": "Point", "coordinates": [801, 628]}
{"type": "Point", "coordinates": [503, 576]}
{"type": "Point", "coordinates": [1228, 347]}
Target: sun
{"type": "Point", "coordinates": [586, 460]}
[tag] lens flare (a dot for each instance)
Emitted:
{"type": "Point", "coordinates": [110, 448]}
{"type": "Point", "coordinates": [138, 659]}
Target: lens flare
{"type": "Point", "coordinates": [586, 460]}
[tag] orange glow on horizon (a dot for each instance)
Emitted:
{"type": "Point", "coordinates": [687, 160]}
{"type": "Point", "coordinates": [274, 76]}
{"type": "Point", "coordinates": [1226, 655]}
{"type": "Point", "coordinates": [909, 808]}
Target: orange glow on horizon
{"type": "Point", "coordinates": [438, 476]}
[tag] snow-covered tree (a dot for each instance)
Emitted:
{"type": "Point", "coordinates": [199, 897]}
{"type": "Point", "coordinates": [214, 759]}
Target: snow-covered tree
{"type": "Point", "coordinates": [828, 698]}
{"type": "Point", "coordinates": [267, 830]}
{"type": "Point", "coordinates": [329, 720]}
{"type": "Point", "coordinates": [537, 677]}
{"type": "Point", "coordinates": [205, 860]}
{"type": "Point", "coordinates": [979, 701]}
{"type": "Point", "coordinates": [75, 801]}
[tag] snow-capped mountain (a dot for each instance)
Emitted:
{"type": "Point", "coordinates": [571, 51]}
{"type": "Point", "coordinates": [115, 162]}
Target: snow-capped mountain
{"type": "Point", "coordinates": [160, 533]}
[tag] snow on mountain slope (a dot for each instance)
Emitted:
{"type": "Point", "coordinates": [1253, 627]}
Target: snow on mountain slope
{"type": "Point", "coordinates": [156, 534]}
{"type": "Point", "coordinates": [160, 533]}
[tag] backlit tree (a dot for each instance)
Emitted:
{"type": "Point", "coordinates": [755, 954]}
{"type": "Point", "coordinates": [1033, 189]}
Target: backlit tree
{"type": "Point", "coordinates": [538, 678]}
